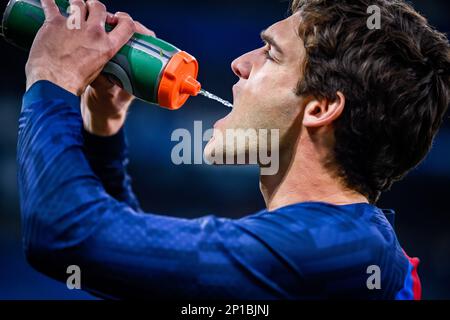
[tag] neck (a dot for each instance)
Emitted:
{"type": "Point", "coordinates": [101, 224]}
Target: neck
{"type": "Point", "coordinates": [304, 177]}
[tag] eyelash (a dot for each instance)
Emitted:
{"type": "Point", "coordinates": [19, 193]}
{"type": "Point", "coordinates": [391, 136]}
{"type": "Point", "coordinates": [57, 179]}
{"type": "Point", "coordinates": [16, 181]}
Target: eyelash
{"type": "Point", "coordinates": [268, 56]}
{"type": "Point", "coordinates": [267, 53]}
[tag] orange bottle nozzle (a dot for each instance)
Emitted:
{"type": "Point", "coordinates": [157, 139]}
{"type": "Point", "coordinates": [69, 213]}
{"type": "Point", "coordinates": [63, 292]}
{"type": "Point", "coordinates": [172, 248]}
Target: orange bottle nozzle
{"type": "Point", "coordinates": [190, 86]}
{"type": "Point", "coordinates": [178, 81]}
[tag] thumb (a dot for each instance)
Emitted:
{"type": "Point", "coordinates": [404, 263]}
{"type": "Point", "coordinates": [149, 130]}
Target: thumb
{"type": "Point", "coordinates": [140, 28]}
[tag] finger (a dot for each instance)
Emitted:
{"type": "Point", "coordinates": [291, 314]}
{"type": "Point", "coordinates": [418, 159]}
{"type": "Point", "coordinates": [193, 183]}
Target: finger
{"type": "Point", "coordinates": [123, 31]}
{"type": "Point", "coordinates": [102, 83]}
{"type": "Point", "coordinates": [81, 5]}
{"type": "Point", "coordinates": [50, 8]}
{"type": "Point", "coordinates": [97, 13]}
{"type": "Point", "coordinates": [140, 28]}
{"type": "Point", "coordinates": [111, 19]}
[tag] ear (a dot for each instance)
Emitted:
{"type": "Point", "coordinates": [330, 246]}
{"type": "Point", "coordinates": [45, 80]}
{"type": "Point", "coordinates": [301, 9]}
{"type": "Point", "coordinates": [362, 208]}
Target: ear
{"type": "Point", "coordinates": [319, 113]}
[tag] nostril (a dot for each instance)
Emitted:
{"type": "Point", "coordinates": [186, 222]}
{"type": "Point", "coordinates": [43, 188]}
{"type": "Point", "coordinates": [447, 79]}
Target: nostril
{"type": "Point", "coordinates": [235, 68]}
{"type": "Point", "coordinates": [242, 66]}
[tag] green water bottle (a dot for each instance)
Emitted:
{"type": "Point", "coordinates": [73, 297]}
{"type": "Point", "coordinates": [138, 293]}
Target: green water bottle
{"type": "Point", "coordinates": [147, 67]}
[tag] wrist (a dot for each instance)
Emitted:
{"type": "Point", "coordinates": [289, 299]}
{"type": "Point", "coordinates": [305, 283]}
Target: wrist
{"type": "Point", "coordinates": [100, 125]}
{"type": "Point", "coordinates": [66, 82]}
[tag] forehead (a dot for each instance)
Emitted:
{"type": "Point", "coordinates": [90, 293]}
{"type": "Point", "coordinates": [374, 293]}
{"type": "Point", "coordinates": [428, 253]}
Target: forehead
{"type": "Point", "coordinates": [285, 33]}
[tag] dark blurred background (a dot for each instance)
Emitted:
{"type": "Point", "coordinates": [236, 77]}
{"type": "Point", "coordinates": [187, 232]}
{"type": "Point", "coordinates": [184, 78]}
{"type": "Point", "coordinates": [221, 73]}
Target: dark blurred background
{"type": "Point", "coordinates": [215, 32]}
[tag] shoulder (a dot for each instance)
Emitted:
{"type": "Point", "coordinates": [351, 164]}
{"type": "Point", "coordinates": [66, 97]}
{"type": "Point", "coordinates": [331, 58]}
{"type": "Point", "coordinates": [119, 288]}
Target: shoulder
{"type": "Point", "coordinates": [334, 247]}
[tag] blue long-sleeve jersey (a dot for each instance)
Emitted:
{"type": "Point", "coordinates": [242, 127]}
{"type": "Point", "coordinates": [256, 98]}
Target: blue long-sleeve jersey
{"type": "Point", "coordinates": [78, 209]}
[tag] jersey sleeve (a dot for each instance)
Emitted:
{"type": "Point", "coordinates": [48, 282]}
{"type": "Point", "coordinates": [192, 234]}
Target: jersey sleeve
{"type": "Point", "coordinates": [108, 158]}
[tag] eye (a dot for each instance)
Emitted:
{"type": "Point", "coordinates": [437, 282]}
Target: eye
{"type": "Point", "coordinates": [268, 56]}
{"type": "Point", "coordinates": [267, 52]}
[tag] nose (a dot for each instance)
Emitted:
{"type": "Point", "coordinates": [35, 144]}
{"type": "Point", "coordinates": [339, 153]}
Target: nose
{"type": "Point", "coordinates": [242, 66]}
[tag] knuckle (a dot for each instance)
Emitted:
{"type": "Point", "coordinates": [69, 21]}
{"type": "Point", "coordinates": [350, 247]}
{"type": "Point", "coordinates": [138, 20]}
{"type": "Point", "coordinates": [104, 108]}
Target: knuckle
{"type": "Point", "coordinates": [131, 28]}
{"type": "Point", "coordinates": [123, 15]}
{"type": "Point", "coordinates": [95, 3]}
{"type": "Point", "coordinates": [110, 54]}
{"type": "Point", "coordinates": [52, 22]}
{"type": "Point", "coordinates": [96, 30]}
{"type": "Point", "coordinates": [78, 3]}
{"type": "Point", "coordinates": [130, 23]}
{"type": "Point", "coordinates": [54, 19]}
{"type": "Point", "coordinates": [101, 6]}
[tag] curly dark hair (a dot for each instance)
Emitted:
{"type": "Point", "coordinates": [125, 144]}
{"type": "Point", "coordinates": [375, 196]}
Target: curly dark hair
{"type": "Point", "coordinates": [395, 81]}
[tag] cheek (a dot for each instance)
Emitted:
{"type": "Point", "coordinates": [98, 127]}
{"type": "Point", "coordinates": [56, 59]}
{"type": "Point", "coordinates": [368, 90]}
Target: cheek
{"type": "Point", "coordinates": [278, 112]}
{"type": "Point", "coordinates": [266, 80]}
{"type": "Point", "coordinates": [282, 115]}
{"type": "Point", "coordinates": [270, 85]}
{"type": "Point", "coordinates": [267, 100]}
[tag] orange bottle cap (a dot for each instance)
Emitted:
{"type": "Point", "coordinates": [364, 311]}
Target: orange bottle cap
{"type": "Point", "coordinates": [178, 81]}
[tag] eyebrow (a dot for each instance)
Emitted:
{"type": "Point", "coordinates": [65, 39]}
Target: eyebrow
{"type": "Point", "coordinates": [270, 40]}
